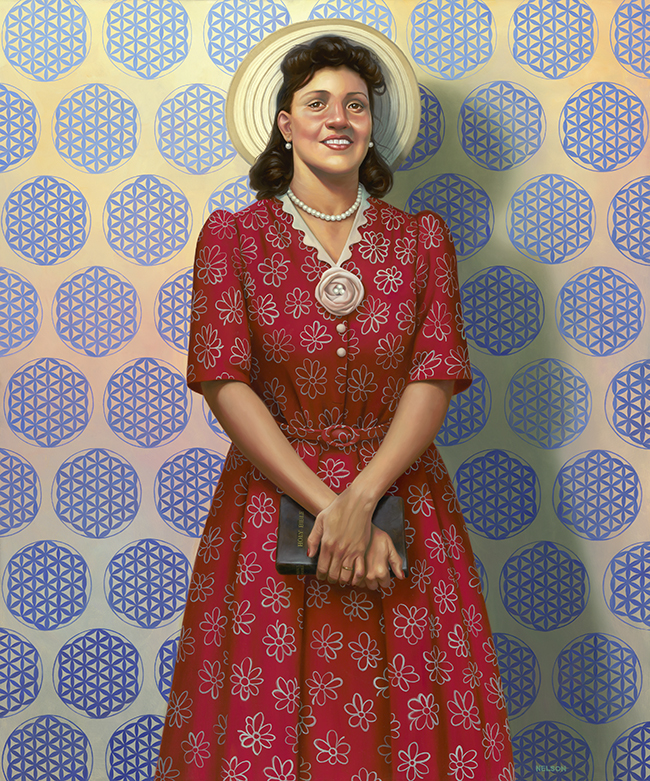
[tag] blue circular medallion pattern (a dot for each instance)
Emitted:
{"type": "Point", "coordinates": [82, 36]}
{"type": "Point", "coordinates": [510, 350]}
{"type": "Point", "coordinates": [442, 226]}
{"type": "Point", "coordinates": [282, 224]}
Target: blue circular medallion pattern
{"type": "Point", "coordinates": [551, 219]}
{"type": "Point", "coordinates": [191, 129]}
{"type": "Point", "coordinates": [21, 312]}
{"type": "Point", "coordinates": [464, 206]}
{"type": "Point", "coordinates": [627, 220]}
{"type": "Point", "coordinates": [468, 412]}
{"type": "Point", "coordinates": [148, 38]}
{"type": "Point", "coordinates": [627, 404]}
{"type": "Point", "coordinates": [600, 311]}
{"type": "Point", "coordinates": [553, 39]}
{"type": "Point", "coordinates": [46, 585]}
{"type": "Point", "coordinates": [47, 742]}
{"type": "Point", "coordinates": [147, 403]}
{"type": "Point", "coordinates": [46, 220]}
{"type": "Point", "coordinates": [451, 38]}
{"type": "Point", "coordinates": [559, 749]}
{"type": "Point", "coordinates": [96, 312]}
{"type": "Point", "coordinates": [499, 493]}
{"type": "Point", "coordinates": [132, 751]}
{"type": "Point", "coordinates": [626, 585]}
{"type": "Point", "coordinates": [501, 125]}
{"type": "Point", "coordinates": [597, 495]}
{"type": "Point", "coordinates": [147, 220]}
{"type": "Point", "coordinates": [165, 663]}
{"type": "Point", "coordinates": [20, 128]}
{"type": "Point", "coordinates": [233, 28]}
{"type": "Point", "coordinates": [184, 487]}
{"type": "Point", "coordinates": [96, 493]}
{"type": "Point", "coordinates": [48, 402]}
{"type": "Point", "coordinates": [21, 673]}
{"type": "Point", "coordinates": [146, 583]}
{"type": "Point", "coordinates": [98, 673]}
{"type": "Point", "coordinates": [544, 586]}
{"type": "Point", "coordinates": [96, 128]}
{"type": "Point", "coordinates": [629, 36]}
{"type": "Point", "coordinates": [520, 673]}
{"type": "Point", "coordinates": [628, 757]}
{"type": "Point", "coordinates": [172, 312]}
{"type": "Point", "coordinates": [548, 403]}
{"type": "Point", "coordinates": [214, 424]}
{"type": "Point", "coordinates": [374, 13]}
{"type": "Point", "coordinates": [232, 196]}
{"type": "Point", "coordinates": [603, 126]}
{"type": "Point", "coordinates": [430, 133]}
{"type": "Point", "coordinates": [46, 40]}
{"type": "Point", "coordinates": [503, 310]}
{"type": "Point", "coordinates": [597, 678]}
{"type": "Point", "coordinates": [20, 493]}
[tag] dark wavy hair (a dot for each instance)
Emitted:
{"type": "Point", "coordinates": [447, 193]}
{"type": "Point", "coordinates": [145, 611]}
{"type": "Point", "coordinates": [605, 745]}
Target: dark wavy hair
{"type": "Point", "coordinates": [272, 172]}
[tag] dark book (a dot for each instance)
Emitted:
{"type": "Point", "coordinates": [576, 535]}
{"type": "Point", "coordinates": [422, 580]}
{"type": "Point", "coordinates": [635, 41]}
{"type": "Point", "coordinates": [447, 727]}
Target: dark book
{"type": "Point", "coordinates": [295, 525]}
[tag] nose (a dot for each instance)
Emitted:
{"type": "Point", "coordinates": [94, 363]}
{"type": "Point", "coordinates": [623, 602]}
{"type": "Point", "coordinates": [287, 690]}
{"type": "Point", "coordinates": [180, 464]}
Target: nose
{"type": "Point", "coordinates": [337, 116]}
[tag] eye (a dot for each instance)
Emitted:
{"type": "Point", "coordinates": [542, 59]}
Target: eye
{"type": "Point", "coordinates": [357, 105]}
{"type": "Point", "coordinates": [315, 104]}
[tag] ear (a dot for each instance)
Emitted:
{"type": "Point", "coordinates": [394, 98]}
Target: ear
{"type": "Point", "coordinates": [284, 124]}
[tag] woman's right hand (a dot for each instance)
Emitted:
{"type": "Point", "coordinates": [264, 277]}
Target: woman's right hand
{"type": "Point", "coordinates": [381, 558]}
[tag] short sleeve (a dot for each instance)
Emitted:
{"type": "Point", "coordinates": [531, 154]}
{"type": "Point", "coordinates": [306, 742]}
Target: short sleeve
{"type": "Point", "coordinates": [440, 350]}
{"type": "Point", "coordinates": [219, 345]}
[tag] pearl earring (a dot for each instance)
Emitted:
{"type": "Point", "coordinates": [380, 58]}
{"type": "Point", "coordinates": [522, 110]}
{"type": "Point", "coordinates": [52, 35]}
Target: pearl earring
{"type": "Point", "coordinates": [371, 144]}
{"type": "Point", "coordinates": [287, 145]}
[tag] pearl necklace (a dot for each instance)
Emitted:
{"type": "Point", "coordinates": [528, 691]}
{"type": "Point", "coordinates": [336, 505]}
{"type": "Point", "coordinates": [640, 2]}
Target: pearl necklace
{"type": "Point", "coordinates": [321, 216]}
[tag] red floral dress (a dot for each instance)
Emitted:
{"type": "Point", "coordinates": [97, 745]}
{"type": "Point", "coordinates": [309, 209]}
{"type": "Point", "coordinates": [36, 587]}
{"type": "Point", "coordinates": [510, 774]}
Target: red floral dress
{"type": "Point", "coordinates": [285, 678]}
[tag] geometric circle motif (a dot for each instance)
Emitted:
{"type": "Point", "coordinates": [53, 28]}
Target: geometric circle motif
{"type": "Point", "coordinates": [98, 673]}
{"type": "Point", "coordinates": [46, 40]}
{"type": "Point", "coordinates": [464, 206]}
{"type": "Point", "coordinates": [501, 125]}
{"type": "Point", "coordinates": [146, 583]}
{"type": "Point", "coordinates": [430, 133]}
{"type": "Point", "coordinates": [147, 403]}
{"type": "Point", "coordinates": [597, 495]}
{"type": "Point", "coordinates": [21, 673]}
{"type": "Point", "coordinates": [46, 220]}
{"type": "Point", "coordinates": [147, 220]}
{"type": "Point", "coordinates": [190, 127]}
{"type": "Point", "coordinates": [626, 585]}
{"type": "Point", "coordinates": [600, 311]}
{"type": "Point", "coordinates": [499, 493]}
{"type": "Point", "coordinates": [20, 493]}
{"type": "Point", "coordinates": [468, 412]}
{"type": "Point", "coordinates": [544, 586]}
{"type": "Point", "coordinates": [603, 126]}
{"type": "Point", "coordinates": [629, 36]}
{"type": "Point", "coordinates": [19, 130]}
{"type": "Point", "coordinates": [96, 312]}
{"type": "Point", "coordinates": [96, 128]}
{"type": "Point", "coordinates": [597, 678]}
{"type": "Point", "coordinates": [630, 754]}
{"type": "Point", "coordinates": [503, 308]}
{"type": "Point", "coordinates": [96, 493]}
{"type": "Point", "coordinates": [232, 196]}
{"type": "Point", "coordinates": [520, 673]}
{"type": "Point", "coordinates": [548, 403]}
{"type": "Point", "coordinates": [551, 219]}
{"type": "Point", "coordinates": [233, 28]}
{"type": "Point", "coordinates": [452, 38]}
{"type": "Point", "coordinates": [553, 39]}
{"type": "Point", "coordinates": [627, 404]}
{"type": "Point", "coordinates": [627, 220]}
{"type": "Point", "coordinates": [46, 585]}
{"type": "Point", "coordinates": [172, 312]}
{"type": "Point", "coordinates": [550, 750]}
{"type": "Point", "coordinates": [148, 38]}
{"type": "Point", "coordinates": [48, 402]}
{"type": "Point", "coordinates": [132, 751]}
{"type": "Point", "coordinates": [184, 487]}
{"type": "Point", "coordinates": [374, 13]}
{"type": "Point", "coordinates": [214, 424]}
{"type": "Point", "coordinates": [165, 663]}
{"type": "Point", "coordinates": [47, 742]}
{"type": "Point", "coordinates": [21, 312]}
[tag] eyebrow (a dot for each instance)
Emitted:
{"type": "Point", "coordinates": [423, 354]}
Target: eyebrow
{"type": "Point", "coordinates": [325, 92]}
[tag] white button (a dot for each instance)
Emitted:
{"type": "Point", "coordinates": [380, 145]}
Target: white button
{"type": "Point", "coordinates": [341, 352]}
{"type": "Point", "coordinates": [341, 328]}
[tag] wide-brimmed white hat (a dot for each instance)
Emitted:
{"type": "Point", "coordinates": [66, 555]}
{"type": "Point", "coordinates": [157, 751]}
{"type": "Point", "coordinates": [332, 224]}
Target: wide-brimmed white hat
{"type": "Point", "coordinates": [251, 102]}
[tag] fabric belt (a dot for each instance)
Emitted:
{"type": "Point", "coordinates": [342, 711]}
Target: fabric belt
{"type": "Point", "coordinates": [337, 436]}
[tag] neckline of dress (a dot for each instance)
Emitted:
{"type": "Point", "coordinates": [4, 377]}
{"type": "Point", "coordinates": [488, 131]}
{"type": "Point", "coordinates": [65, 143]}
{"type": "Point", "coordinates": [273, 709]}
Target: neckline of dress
{"type": "Point", "coordinates": [311, 241]}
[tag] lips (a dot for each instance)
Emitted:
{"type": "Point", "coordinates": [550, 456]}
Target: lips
{"type": "Point", "coordinates": [340, 142]}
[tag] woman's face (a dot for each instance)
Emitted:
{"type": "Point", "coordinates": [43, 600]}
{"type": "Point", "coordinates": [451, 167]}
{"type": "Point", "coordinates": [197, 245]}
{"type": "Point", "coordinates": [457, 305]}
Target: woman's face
{"type": "Point", "coordinates": [330, 123]}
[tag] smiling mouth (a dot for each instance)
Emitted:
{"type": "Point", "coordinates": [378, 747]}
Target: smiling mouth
{"type": "Point", "coordinates": [337, 143]}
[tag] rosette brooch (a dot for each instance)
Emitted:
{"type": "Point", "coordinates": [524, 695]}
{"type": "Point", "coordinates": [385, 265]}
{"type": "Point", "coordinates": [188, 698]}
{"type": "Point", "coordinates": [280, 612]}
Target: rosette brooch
{"type": "Point", "coordinates": [339, 291]}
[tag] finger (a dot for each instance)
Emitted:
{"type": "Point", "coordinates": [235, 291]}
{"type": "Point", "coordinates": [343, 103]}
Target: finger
{"type": "Point", "coordinates": [396, 563]}
{"type": "Point", "coordinates": [314, 539]}
{"type": "Point", "coordinates": [359, 572]}
{"type": "Point", "coordinates": [347, 573]}
{"type": "Point", "coordinates": [323, 566]}
{"type": "Point", "coordinates": [383, 578]}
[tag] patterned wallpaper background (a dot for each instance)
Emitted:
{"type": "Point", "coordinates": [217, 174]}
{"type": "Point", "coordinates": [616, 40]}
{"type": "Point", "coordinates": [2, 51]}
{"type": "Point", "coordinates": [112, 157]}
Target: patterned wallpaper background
{"type": "Point", "coordinates": [113, 150]}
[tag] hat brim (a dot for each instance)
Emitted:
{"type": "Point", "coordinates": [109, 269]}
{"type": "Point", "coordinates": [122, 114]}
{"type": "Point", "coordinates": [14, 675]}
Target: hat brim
{"type": "Point", "coordinates": [251, 101]}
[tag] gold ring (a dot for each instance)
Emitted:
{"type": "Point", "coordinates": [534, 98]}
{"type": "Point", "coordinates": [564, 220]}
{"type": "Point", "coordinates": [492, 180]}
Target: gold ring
{"type": "Point", "coordinates": [348, 568]}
